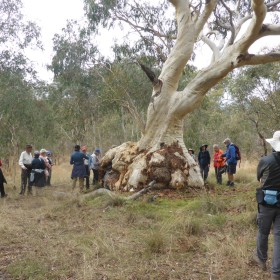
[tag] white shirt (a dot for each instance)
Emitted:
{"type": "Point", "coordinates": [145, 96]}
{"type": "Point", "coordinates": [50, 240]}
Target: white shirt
{"type": "Point", "coordinates": [25, 158]}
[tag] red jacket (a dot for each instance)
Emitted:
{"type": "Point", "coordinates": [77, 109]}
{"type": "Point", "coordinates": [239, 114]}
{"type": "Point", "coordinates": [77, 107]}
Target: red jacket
{"type": "Point", "coordinates": [218, 160]}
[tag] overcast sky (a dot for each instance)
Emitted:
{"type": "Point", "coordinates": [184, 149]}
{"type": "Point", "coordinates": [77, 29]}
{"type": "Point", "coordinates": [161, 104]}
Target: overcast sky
{"type": "Point", "coordinates": [52, 15]}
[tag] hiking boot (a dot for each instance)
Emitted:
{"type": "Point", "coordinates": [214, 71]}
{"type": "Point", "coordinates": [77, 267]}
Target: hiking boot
{"type": "Point", "coordinates": [257, 261]}
{"type": "Point", "coordinates": [231, 184]}
{"type": "Point", "coordinates": [228, 183]}
{"type": "Point", "coordinates": [275, 277]}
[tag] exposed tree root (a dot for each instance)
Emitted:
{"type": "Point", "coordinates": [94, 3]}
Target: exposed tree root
{"type": "Point", "coordinates": [125, 168]}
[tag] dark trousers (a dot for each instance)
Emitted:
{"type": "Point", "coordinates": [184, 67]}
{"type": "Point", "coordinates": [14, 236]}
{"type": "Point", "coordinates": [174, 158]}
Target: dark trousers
{"type": "Point", "coordinates": [95, 176]}
{"type": "Point", "coordinates": [87, 176]}
{"type": "Point", "coordinates": [204, 170]}
{"type": "Point", "coordinates": [266, 217]}
{"type": "Point", "coordinates": [25, 181]}
{"type": "Point", "coordinates": [2, 190]}
{"type": "Point", "coordinates": [218, 175]}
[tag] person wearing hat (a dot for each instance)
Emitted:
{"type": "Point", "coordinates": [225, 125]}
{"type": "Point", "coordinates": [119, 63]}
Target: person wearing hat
{"type": "Point", "coordinates": [50, 161]}
{"type": "Point", "coordinates": [43, 156]}
{"type": "Point", "coordinates": [94, 165]}
{"type": "Point", "coordinates": [79, 171]}
{"type": "Point", "coordinates": [204, 160]}
{"type": "Point", "coordinates": [191, 152]}
{"type": "Point", "coordinates": [268, 197]}
{"type": "Point", "coordinates": [24, 162]}
{"type": "Point", "coordinates": [86, 163]}
{"type": "Point", "coordinates": [230, 156]}
{"type": "Point", "coordinates": [37, 177]}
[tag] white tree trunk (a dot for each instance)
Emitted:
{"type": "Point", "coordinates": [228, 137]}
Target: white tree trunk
{"type": "Point", "coordinates": [161, 155]}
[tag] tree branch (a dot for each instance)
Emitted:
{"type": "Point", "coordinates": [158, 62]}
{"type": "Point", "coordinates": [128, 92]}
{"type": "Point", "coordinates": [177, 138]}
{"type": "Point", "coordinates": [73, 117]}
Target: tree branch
{"type": "Point", "coordinates": [269, 29]}
{"type": "Point", "coordinates": [183, 48]}
{"type": "Point", "coordinates": [254, 28]}
{"type": "Point", "coordinates": [209, 7]}
{"type": "Point", "coordinates": [251, 59]}
{"type": "Point", "coordinates": [212, 46]}
{"type": "Point", "coordinates": [150, 74]}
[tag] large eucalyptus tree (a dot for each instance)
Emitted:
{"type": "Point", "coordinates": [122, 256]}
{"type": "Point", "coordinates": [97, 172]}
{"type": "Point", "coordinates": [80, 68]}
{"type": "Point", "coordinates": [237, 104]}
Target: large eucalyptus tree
{"type": "Point", "coordinates": [160, 154]}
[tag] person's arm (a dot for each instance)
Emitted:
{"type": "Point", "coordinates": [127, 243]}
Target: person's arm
{"type": "Point", "coordinates": [231, 154]}
{"type": "Point", "coordinates": [71, 160]}
{"type": "Point", "coordinates": [260, 169]}
{"type": "Point", "coordinates": [20, 162]}
{"type": "Point", "coordinates": [209, 158]}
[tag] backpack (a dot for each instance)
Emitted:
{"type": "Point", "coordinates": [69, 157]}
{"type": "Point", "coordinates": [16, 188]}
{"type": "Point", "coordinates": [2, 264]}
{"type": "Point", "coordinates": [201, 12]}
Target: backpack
{"type": "Point", "coordinates": [237, 152]}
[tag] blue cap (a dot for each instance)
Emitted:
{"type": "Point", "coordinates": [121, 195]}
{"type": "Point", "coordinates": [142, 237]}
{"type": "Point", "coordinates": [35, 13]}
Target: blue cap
{"type": "Point", "coordinates": [97, 150]}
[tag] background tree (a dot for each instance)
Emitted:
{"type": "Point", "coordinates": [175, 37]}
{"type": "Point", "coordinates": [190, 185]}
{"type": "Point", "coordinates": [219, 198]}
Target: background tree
{"type": "Point", "coordinates": [256, 93]}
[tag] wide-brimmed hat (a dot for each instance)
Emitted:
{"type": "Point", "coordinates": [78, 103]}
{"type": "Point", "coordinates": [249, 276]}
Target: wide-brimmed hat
{"type": "Point", "coordinates": [275, 141]}
{"type": "Point", "coordinates": [192, 150]}
{"type": "Point", "coordinates": [204, 145]}
{"type": "Point", "coordinates": [43, 151]}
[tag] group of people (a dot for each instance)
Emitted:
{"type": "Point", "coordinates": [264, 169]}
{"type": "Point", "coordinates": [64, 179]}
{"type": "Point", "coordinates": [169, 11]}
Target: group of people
{"type": "Point", "coordinates": [35, 171]}
{"type": "Point", "coordinates": [222, 161]}
{"type": "Point", "coordinates": [83, 163]}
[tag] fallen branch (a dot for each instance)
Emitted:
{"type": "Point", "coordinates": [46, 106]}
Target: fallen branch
{"type": "Point", "coordinates": [143, 191]}
{"type": "Point", "coordinates": [103, 191]}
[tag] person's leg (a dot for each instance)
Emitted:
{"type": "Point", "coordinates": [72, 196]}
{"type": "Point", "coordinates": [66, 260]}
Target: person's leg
{"type": "Point", "coordinates": [265, 218]}
{"type": "Point", "coordinates": [201, 171]}
{"type": "Point", "coordinates": [220, 178]}
{"type": "Point", "coordinates": [48, 182]}
{"type": "Point", "coordinates": [206, 171]}
{"type": "Point", "coordinates": [2, 190]}
{"type": "Point", "coordinates": [276, 249]}
{"type": "Point", "coordinates": [95, 176]}
{"type": "Point", "coordinates": [231, 172]}
{"type": "Point", "coordinates": [29, 185]}
{"type": "Point", "coordinates": [74, 183]}
{"type": "Point", "coordinates": [217, 174]}
{"type": "Point", "coordinates": [87, 177]}
{"type": "Point", "coordinates": [23, 181]}
{"type": "Point", "coordinates": [81, 183]}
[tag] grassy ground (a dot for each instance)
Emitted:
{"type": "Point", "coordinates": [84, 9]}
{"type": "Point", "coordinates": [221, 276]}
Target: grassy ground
{"type": "Point", "coordinates": [207, 235]}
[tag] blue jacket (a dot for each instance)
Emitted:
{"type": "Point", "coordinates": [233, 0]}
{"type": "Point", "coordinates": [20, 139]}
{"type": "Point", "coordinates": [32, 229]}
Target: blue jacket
{"type": "Point", "coordinates": [77, 158]}
{"type": "Point", "coordinates": [230, 154]}
{"type": "Point", "coordinates": [79, 169]}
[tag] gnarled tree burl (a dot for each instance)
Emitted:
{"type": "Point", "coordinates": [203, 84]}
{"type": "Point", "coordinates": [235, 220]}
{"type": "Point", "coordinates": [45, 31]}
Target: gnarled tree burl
{"type": "Point", "coordinates": [160, 154]}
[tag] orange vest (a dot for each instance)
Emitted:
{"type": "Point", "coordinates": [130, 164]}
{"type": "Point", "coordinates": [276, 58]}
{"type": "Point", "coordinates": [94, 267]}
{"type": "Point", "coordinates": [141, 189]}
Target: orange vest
{"type": "Point", "coordinates": [218, 160]}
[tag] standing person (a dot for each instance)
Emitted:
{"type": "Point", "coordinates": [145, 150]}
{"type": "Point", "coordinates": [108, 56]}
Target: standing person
{"type": "Point", "coordinates": [2, 182]}
{"type": "Point", "coordinates": [191, 152]}
{"type": "Point", "coordinates": [219, 163]}
{"type": "Point", "coordinates": [230, 156]}
{"type": "Point", "coordinates": [37, 177]}
{"type": "Point", "coordinates": [24, 162]}
{"type": "Point", "coordinates": [79, 170]}
{"type": "Point", "coordinates": [204, 161]}
{"type": "Point", "coordinates": [268, 198]}
{"type": "Point", "coordinates": [43, 156]}
{"type": "Point", "coordinates": [94, 165]}
{"type": "Point", "coordinates": [87, 167]}
{"type": "Point", "coordinates": [49, 158]}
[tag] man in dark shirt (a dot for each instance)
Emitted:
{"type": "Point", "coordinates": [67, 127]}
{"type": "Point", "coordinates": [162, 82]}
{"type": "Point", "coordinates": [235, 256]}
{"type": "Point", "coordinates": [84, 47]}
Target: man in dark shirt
{"type": "Point", "coordinates": [268, 173]}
